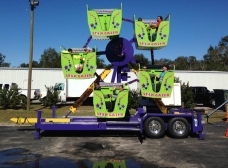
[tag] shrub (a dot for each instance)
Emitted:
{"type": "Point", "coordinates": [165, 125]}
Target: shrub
{"type": "Point", "coordinates": [187, 96]}
{"type": "Point", "coordinates": [52, 97]}
{"type": "Point", "coordinates": [12, 99]}
{"type": "Point", "coordinates": [133, 99]}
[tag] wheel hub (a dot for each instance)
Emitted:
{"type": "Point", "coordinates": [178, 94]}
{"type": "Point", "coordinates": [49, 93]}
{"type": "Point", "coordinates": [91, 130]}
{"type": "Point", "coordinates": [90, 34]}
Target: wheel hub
{"type": "Point", "coordinates": [179, 127]}
{"type": "Point", "coordinates": [155, 127]}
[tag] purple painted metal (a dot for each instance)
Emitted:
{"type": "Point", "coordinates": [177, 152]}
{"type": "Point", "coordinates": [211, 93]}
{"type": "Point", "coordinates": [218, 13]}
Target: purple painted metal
{"type": "Point", "coordinates": [128, 123]}
{"type": "Point", "coordinates": [128, 20]}
{"type": "Point", "coordinates": [37, 134]}
{"type": "Point", "coordinates": [87, 42]}
{"type": "Point", "coordinates": [125, 69]}
{"type": "Point", "coordinates": [38, 116]}
{"type": "Point", "coordinates": [114, 73]}
{"type": "Point", "coordinates": [68, 114]}
{"type": "Point", "coordinates": [124, 76]}
{"type": "Point", "coordinates": [93, 123]}
{"type": "Point", "coordinates": [53, 112]}
{"type": "Point", "coordinates": [200, 126]}
{"type": "Point", "coordinates": [130, 82]}
{"type": "Point", "coordinates": [119, 51]}
{"type": "Point", "coordinates": [119, 75]}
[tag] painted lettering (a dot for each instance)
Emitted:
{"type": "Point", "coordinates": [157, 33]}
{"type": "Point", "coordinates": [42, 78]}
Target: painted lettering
{"type": "Point", "coordinates": [155, 95]}
{"type": "Point", "coordinates": [116, 115]}
{"type": "Point", "coordinates": [152, 44]}
{"type": "Point", "coordinates": [105, 33]}
{"type": "Point", "coordinates": [85, 76]}
{"type": "Point", "coordinates": [79, 76]}
{"type": "Point", "coordinates": [149, 21]}
{"type": "Point", "coordinates": [110, 84]}
{"type": "Point", "coordinates": [102, 114]}
{"type": "Point", "coordinates": [104, 11]}
{"type": "Point", "coordinates": [110, 115]}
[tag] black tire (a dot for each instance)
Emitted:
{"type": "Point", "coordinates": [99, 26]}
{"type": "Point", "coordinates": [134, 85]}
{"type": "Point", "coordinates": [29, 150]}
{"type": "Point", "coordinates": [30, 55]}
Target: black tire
{"type": "Point", "coordinates": [212, 102]}
{"type": "Point", "coordinates": [154, 127]}
{"type": "Point", "coordinates": [178, 127]}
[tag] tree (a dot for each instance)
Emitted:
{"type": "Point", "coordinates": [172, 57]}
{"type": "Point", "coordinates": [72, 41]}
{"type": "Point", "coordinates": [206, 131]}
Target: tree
{"type": "Point", "coordinates": [2, 61]}
{"type": "Point", "coordinates": [187, 95]}
{"type": "Point", "coordinates": [213, 59]}
{"type": "Point", "coordinates": [35, 64]}
{"type": "Point", "coordinates": [100, 63]}
{"type": "Point", "coordinates": [50, 59]}
{"type": "Point", "coordinates": [181, 63]}
{"type": "Point", "coordinates": [223, 50]}
{"type": "Point", "coordinates": [133, 99]}
{"type": "Point", "coordinates": [193, 63]}
{"type": "Point", "coordinates": [163, 61]}
{"type": "Point", "coordinates": [202, 65]}
{"type": "Point", "coordinates": [217, 57]}
{"type": "Point", "coordinates": [141, 59]}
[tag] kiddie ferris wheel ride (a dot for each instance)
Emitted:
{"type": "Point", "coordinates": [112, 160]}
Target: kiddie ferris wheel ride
{"type": "Point", "coordinates": [106, 24]}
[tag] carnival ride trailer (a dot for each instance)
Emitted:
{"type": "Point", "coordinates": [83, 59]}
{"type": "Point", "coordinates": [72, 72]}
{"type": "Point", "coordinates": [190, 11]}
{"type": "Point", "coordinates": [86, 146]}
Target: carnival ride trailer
{"type": "Point", "coordinates": [179, 123]}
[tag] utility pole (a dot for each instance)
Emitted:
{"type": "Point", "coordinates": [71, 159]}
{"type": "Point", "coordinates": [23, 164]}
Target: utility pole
{"type": "Point", "coordinates": [33, 4]}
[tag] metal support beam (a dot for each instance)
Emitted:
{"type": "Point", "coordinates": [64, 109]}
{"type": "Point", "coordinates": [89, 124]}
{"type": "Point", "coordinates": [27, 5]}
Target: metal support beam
{"type": "Point", "coordinates": [152, 56]}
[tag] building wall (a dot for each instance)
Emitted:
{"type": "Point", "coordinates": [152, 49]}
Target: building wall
{"type": "Point", "coordinates": [210, 79]}
{"type": "Point", "coordinates": [50, 76]}
{"type": "Point", "coordinates": [40, 77]}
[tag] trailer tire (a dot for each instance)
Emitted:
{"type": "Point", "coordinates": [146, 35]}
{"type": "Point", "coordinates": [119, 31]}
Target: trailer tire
{"type": "Point", "coordinates": [178, 127]}
{"type": "Point", "coordinates": [154, 127]}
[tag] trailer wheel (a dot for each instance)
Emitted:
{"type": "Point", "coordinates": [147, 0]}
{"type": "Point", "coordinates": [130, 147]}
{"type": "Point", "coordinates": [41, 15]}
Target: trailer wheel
{"type": "Point", "coordinates": [178, 127]}
{"type": "Point", "coordinates": [154, 127]}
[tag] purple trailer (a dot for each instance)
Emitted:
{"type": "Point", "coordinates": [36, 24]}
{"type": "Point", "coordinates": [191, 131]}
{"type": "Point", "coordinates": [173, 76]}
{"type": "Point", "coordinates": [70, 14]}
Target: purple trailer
{"type": "Point", "coordinates": [179, 123]}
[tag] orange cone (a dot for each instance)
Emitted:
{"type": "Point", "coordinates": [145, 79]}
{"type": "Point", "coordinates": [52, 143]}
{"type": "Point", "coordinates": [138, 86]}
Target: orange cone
{"type": "Point", "coordinates": [226, 132]}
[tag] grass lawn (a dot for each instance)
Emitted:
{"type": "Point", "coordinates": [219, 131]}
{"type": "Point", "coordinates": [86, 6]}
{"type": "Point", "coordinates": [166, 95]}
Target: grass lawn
{"type": "Point", "coordinates": [216, 117]}
{"type": "Point", "coordinates": [6, 115]}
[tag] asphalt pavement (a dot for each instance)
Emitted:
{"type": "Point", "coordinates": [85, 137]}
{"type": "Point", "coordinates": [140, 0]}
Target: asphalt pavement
{"type": "Point", "coordinates": [18, 148]}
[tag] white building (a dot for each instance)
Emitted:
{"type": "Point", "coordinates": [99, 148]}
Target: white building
{"type": "Point", "coordinates": [210, 79]}
{"type": "Point", "coordinates": [50, 76]}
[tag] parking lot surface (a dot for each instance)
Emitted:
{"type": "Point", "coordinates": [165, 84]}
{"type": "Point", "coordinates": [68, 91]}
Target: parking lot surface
{"type": "Point", "coordinates": [111, 149]}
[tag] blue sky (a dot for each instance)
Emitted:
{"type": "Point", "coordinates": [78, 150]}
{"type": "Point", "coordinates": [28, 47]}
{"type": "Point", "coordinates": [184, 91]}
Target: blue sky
{"type": "Point", "coordinates": [195, 25]}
